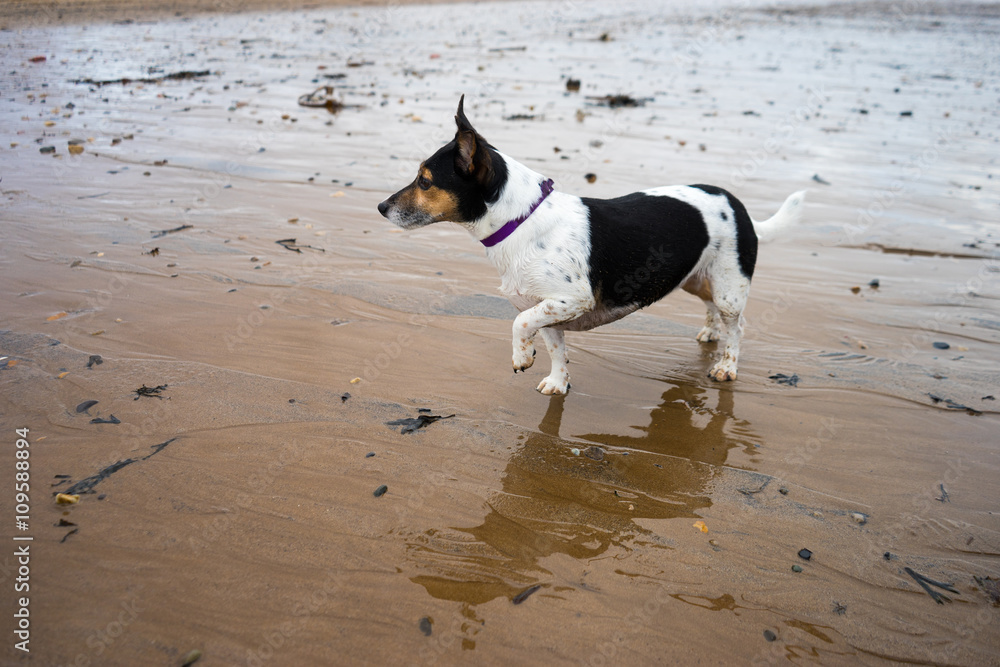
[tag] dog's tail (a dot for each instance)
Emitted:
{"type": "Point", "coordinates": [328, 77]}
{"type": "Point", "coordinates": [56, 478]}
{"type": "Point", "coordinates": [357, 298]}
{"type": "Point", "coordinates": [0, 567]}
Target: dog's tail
{"type": "Point", "coordinates": [789, 215]}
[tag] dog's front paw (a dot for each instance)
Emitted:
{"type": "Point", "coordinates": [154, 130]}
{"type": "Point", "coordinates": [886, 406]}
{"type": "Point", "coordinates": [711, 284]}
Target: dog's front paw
{"type": "Point", "coordinates": [554, 385]}
{"type": "Point", "coordinates": [724, 371]}
{"type": "Point", "coordinates": [524, 355]}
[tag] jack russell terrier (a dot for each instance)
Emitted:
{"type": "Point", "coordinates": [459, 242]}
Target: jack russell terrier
{"type": "Point", "coordinates": [574, 263]}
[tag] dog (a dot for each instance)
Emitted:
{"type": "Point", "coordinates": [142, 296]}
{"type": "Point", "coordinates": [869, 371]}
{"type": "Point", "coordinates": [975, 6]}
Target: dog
{"type": "Point", "coordinates": [573, 263]}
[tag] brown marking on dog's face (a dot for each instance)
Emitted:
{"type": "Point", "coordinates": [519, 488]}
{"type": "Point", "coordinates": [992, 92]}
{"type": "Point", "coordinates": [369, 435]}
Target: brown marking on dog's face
{"type": "Point", "coordinates": [423, 203]}
{"type": "Point", "coordinates": [436, 203]}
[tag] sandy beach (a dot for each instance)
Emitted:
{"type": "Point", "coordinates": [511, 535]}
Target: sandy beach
{"type": "Point", "coordinates": [220, 402]}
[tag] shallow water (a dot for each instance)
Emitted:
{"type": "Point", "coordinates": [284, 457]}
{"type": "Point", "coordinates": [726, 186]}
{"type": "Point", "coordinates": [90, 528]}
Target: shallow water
{"type": "Point", "coordinates": [255, 536]}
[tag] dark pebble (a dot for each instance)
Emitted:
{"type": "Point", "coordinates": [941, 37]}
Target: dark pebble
{"type": "Point", "coordinates": [591, 177]}
{"type": "Point", "coordinates": [47, 149]}
{"type": "Point", "coordinates": [783, 491]}
{"type": "Point", "coordinates": [796, 568]}
{"type": "Point", "coordinates": [874, 284]}
{"type": "Point", "coordinates": [595, 453]}
{"type": "Point", "coordinates": [941, 346]}
{"type": "Point", "coordinates": [344, 397]}
{"type": "Point", "coordinates": [291, 400]}
{"type": "Point", "coordinates": [425, 626]}
{"type": "Point", "coordinates": [770, 636]}
{"type": "Point", "coordinates": [86, 405]}
{"type": "Point", "coordinates": [369, 455]}
{"type": "Point", "coordinates": [805, 554]}
{"type": "Point", "coordinates": [102, 496]}
{"type": "Point", "coordinates": [380, 491]}
{"type": "Point", "coordinates": [887, 555]}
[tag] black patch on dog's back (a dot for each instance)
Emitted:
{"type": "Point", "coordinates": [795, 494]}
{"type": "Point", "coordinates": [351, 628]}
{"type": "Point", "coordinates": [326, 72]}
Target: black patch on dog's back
{"type": "Point", "coordinates": [746, 235]}
{"type": "Point", "coordinates": [641, 247]}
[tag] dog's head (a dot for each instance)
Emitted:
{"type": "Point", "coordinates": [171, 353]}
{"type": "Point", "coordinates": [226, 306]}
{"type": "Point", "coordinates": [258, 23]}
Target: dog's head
{"type": "Point", "coordinates": [456, 184]}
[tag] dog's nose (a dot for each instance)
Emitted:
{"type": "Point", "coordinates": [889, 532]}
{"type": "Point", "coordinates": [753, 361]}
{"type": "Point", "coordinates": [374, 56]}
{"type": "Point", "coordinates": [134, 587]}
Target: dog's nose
{"type": "Point", "coordinates": [383, 208]}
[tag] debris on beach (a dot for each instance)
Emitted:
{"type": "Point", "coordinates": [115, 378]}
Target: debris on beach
{"type": "Point", "coordinates": [769, 635]}
{"type": "Point", "coordinates": [618, 101]}
{"type": "Point", "coordinates": [805, 554]}
{"type": "Point", "coordinates": [187, 74]}
{"type": "Point", "coordinates": [321, 97]}
{"type": "Point", "coordinates": [290, 244]}
{"type": "Point", "coordinates": [924, 581]}
{"type": "Point", "coordinates": [411, 424]}
{"type": "Point", "coordinates": [152, 392]}
{"type": "Point", "coordinates": [591, 177]}
{"type": "Point", "coordinates": [939, 345]}
{"type": "Point", "coordinates": [164, 232]}
{"type": "Point", "coordinates": [953, 405]}
{"type": "Point", "coordinates": [790, 380]}
{"type": "Point", "coordinates": [991, 587]}
{"type": "Point", "coordinates": [67, 498]}
{"type": "Point", "coordinates": [87, 485]}
{"type": "Point", "coordinates": [573, 85]}
{"type": "Point", "coordinates": [819, 179]}
{"type": "Point", "coordinates": [944, 497]}
{"type": "Point", "coordinates": [425, 626]}
{"type": "Point", "coordinates": [525, 594]}
{"type": "Point", "coordinates": [380, 491]}
{"type": "Point", "coordinates": [86, 405]}
{"type": "Point", "coordinates": [110, 420]}
{"type": "Point", "coordinates": [191, 658]}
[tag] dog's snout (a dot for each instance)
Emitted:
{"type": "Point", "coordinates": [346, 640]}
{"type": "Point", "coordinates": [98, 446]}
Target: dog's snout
{"type": "Point", "coordinates": [383, 208]}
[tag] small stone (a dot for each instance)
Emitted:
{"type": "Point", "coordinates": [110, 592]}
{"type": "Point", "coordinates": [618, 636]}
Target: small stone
{"type": "Point", "coordinates": [380, 491]}
{"type": "Point", "coordinates": [425, 626]}
{"type": "Point", "coordinates": [941, 345]}
{"type": "Point", "coordinates": [783, 491]}
{"type": "Point", "coordinates": [191, 658]}
{"type": "Point", "coordinates": [74, 149]}
{"type": "Point", "coordinates": [874, 283]}
{"type": "Point", "coordinates": [47, 149]}
{"type": "Point", "coordinates": [856, 289]}
{"type": "Point", "coordinates": [369, 455]}
{"type": "Point", "coordinates": [859, 518]}
{"type": "Point", "coordinates": [770, 636]}
{"type": "Point", "coordinates": [575, 451]}
{"type": "Point", "coordinates": [796, 568]}
{"type": "Point", "coordinates": [591, 178]}
{"type": "Point", "coordinates": [805, 554]}
{"type": "Point", "coordinates": [595, 453]}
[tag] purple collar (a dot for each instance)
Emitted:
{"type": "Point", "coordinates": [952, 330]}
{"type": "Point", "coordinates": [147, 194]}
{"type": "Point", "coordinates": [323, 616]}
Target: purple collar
{"type": "Point", "coordinates": [508, 229]}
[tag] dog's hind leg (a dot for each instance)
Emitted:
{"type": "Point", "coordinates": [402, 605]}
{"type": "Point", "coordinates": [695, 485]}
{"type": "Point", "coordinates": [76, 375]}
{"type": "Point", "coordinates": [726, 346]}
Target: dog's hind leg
{"type": "Point", "coordinates": [558, 380]}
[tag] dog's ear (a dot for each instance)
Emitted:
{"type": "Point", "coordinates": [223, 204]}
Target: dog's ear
{"type": "Point", "coordinates": [472, 155]}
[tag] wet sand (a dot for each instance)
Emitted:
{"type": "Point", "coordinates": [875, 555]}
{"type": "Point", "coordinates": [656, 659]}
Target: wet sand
{"type": "Point", "coordinates": [254, 535]}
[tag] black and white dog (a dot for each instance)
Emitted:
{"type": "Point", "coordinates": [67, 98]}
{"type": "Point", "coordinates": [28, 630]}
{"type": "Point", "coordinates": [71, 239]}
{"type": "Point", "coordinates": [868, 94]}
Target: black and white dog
{"type": "Point", "coordinates": [574, 263]}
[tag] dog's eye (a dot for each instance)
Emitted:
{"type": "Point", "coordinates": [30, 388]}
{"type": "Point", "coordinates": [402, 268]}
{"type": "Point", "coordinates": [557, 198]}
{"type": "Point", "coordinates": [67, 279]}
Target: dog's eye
{"type": "Point", "coordinates": [424, 183]}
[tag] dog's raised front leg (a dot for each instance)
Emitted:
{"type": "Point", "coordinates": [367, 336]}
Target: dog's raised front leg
{"type": "Point", "coordinates": [558, 380]}
{"type": "Point", "coordinates": [545, 314]}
